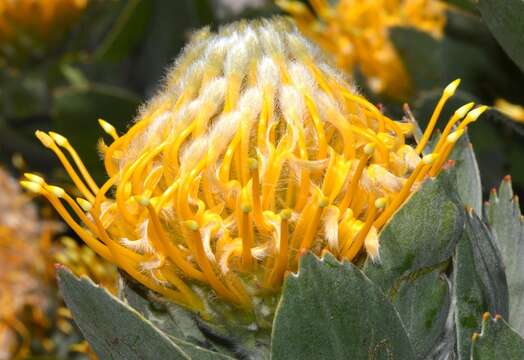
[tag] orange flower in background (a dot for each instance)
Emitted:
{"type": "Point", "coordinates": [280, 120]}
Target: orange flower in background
{"type": "Point", "coordinates": [84, 262]}
{"type": "Point", "coordinates": [30, 308]}
{"type": "Point", "coordinates": [355, 34]}
{"type": "Point", "coordinates": [28, 26]}
{"type": "Point", "coordinates": [254, 152]}
{"type": "Point", "coordinates": [23, 240]}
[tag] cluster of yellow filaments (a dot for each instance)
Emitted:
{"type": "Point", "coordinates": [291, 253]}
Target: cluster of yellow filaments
{"type": "Point", "coordinates": [356, 34]}
{"type": "Point", "coordinates": [25, 24]}
{"type": "Point", "coordinates": [254, 153]}
{"type": "Point", "coordinates": [23, 275]}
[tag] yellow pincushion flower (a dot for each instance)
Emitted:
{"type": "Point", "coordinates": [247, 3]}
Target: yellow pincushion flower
{"type": "Point", "coordinates": [254, 152]}
{"type": "Point", "coordinates": [355, 34]}
{"type": "Point", "coordinates": [29, 24]}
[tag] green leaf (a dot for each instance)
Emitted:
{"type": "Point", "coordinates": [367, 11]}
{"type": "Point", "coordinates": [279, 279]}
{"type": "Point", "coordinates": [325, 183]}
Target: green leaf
{"type": "Point", "coordinates": [497, 341]}
{"type": "Point", "coordinates": [170, 318]}
{"type": "Point", "coordinates": [488, 264]}
{"type": "Point", "coordinates": [435, 225]}
{"type": "Point", "coordinates": [183, 327]}
{"type": "Point", "coordinates": [468, 293]}
{"type": "Point", "coordinates": [171, 24]}
{"type": "Point", "coordinates": [472, 53]}
{"type": "Point", "coordinates": [75, 112]}
{"type": "Point", "coordinates": [469, 62]}
{"type": "Point", "coordinates": [469, 5]}
{"type": "Point", "coordinates": [504, 19]}
{"type": "Point", "coordinates": [466, 174]}
{"type": "Point", "coordinates": [413, 258]}
{"type": "Point", "coordinates": [331, 310]}
{"type": "Point", "coordinates": [127, 32]}
{"type": "Point", "coordinates": [113, 329]}
{"type": "Point", "coordinates": [421, 55]}
{"type": "Point", "coordinates": [198, 353]}
{"type": "Point", "coordinates": [423, 303]}
{"type": "Point", "coordinates": [504, 217]}
{"type": "Point", "coordinates": [23, 96]}
{"type": "Point", "coordinates": [479, 281]}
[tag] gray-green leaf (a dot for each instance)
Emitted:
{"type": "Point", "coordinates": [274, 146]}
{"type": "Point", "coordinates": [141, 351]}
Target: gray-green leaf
{"type": "Point", "coordinates": [331, 310]}
{"type": "Point", "coordinates": [117, 331]}
{"type": "Point", "coordinates": [497, 341]}
{"type": "Point", "coordinates": [466, 174]}
{"type": "Point", "coordinates": [113, 329]}
{"type": "Point", "coordinates": [186, 329]}
{"type": "Point", "coordinates": [489, 265]}
{"type": "Point", "coordinates": [169, 318]}
{"type": "Point", "coordinates": [414, 256]}
{"type": "Point", "coordinates": [504, 216]}
{"type": "Point", "coordinates": [435, 223]}
{"type": "Point", "coordinates": [423, 304]}
{"type": "Point", "coordinates": [479, 281]}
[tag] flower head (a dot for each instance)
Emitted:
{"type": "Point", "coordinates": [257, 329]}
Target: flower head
{"type": "Point", "coordinates": [27, 25]}
{"type": "Point", "coordinates": [355, 33]}
{"type": "Point", "coordinates": [254, 152]}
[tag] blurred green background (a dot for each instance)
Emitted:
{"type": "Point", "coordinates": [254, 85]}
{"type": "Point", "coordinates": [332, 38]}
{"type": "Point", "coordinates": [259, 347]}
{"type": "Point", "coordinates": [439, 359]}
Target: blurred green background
{"type": "Point", "coordinates": [117, 53]}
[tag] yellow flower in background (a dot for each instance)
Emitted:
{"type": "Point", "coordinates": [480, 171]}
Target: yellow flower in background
{"type": "Point", "coordinates": [515, 112]}
{"type": "Point", "coordinates": [254, 152]}
{"type": "Point", "coordinates": [355, 34]}
{"type": "Point", "coordinates": [23, 240]}
{"type": "Point", "coordinates": [28, 25]}
{"type": "Point", "coordinates": [84, 262]}
{"type": "Point", "coordinates": [29, 306]}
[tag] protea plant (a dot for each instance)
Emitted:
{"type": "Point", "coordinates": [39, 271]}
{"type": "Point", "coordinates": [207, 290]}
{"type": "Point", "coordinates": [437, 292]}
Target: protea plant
{"type": "Point", "coordinates": [261, 207]}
